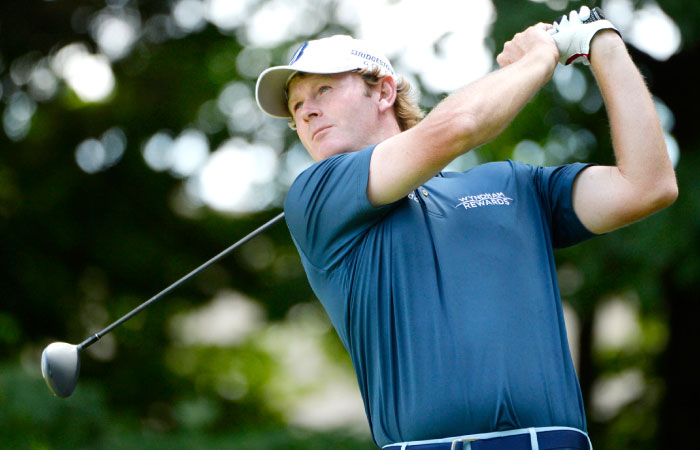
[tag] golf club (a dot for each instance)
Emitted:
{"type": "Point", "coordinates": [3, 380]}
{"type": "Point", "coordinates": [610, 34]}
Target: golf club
{"type": "Point", "coordinates": [60, 361]}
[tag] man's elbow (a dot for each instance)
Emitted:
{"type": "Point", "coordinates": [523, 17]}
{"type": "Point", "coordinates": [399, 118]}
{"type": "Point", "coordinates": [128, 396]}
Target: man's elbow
{"type": "Point", "coordinates": [670, 193]}
{"type": "Point", "coordinates": [664, 193]}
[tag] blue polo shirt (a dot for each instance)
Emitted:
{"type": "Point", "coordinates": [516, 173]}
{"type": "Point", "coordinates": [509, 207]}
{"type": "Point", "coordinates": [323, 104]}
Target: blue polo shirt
{"type": "Point", "coordinates": [447, 300]}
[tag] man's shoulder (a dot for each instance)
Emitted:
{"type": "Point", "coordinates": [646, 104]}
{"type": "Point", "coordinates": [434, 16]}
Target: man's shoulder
{"type": "Point", "coordinates": [333, 166]}
{"type": "Point", "coordinates": [336, 183]}
{"type": "Point", "coordinates": [335, 160]}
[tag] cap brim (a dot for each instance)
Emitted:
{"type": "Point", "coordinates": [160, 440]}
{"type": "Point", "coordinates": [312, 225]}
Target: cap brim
{"type": "Point", "coordinates": [271, 88]}
{"type": "Point", "coordinates": [271, 91]}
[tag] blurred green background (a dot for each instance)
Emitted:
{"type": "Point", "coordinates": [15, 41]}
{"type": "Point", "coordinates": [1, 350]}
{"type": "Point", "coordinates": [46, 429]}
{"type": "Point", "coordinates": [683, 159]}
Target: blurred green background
{"type": "Point", "coordinates": [131, 151]}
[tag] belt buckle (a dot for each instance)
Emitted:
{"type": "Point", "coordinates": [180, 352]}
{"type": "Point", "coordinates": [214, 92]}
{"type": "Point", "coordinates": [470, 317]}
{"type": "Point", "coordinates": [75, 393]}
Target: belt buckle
{"type": "Point", "coordinates": [462, 441]}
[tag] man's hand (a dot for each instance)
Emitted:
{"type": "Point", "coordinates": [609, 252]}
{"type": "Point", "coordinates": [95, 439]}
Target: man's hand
{"type": "Point", "coordinates": [535, 40]}
{"type": "Point", "coordinates": [573, 34]}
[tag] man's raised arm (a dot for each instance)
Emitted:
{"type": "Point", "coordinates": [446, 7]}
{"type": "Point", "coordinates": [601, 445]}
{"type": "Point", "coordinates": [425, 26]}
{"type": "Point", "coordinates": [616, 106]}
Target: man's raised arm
{"type": "Point", "coordinates": [643, 180]}
{"type": "Point", "coordinates": [466, 119]}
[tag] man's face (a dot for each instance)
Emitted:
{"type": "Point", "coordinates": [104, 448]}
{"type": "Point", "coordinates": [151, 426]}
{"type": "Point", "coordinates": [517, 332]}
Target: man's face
{"type": "Point", "coordinates": [334, 113]}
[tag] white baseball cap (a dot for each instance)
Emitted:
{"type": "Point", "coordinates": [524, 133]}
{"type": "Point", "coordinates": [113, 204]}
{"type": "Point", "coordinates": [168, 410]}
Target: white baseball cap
{"type": "Point", "coordinates": [335, 54]}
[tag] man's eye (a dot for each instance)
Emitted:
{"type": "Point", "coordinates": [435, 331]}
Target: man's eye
{"type": "Point", "coordinates": [323, 89]}
{"type": "Point", "coordinates": [297, 106]}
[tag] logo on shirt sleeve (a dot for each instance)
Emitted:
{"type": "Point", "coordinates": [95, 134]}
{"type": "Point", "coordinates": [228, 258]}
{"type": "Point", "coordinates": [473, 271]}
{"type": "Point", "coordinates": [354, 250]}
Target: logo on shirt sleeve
{"type": "Point", "coordinates": [485, 199]}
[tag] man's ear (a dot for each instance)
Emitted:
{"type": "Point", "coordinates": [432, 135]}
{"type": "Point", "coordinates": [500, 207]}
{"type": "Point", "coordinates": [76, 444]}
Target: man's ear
{"type": "Point", "coordinates": [387, 93]}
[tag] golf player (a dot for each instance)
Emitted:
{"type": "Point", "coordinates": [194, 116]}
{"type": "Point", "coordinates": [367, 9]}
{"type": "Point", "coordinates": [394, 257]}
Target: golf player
{"type": "Point", "coordinates": [441, 285]}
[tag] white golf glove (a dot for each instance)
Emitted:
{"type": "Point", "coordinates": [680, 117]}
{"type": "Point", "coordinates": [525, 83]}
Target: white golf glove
{"type": "Point", "coordinates": [573, 34]}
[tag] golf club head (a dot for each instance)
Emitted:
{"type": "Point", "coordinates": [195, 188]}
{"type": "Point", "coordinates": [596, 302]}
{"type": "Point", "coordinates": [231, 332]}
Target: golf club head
{"type": "Point", "coordinates": [60, 366]}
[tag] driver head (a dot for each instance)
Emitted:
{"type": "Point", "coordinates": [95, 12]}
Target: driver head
{"type": "Point", "coordinates": [60, 366]}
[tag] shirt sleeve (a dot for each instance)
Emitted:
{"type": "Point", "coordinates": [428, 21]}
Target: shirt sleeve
{"type": "Point", "coordinates": [327, 209]}
{"type": "Point", "coordinates": [554, 185]}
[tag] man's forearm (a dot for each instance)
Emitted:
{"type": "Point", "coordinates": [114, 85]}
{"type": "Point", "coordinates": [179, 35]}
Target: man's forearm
{"type": "Point", "coordinates": [637, 135]}
{"type": "Point", "coordinates": [480, 111]}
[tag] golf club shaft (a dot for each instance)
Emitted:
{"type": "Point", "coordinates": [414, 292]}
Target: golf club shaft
{"type": "Point", "coordinates": [95, 337]}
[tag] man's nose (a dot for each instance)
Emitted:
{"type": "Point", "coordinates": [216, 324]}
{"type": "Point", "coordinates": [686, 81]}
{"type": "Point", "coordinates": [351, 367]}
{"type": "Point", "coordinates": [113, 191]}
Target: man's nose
{"type": "Point", "coordinates": [310, 110]}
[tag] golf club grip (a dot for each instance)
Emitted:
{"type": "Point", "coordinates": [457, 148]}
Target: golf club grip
{"type": "Point", "coordinates": [95, 337]}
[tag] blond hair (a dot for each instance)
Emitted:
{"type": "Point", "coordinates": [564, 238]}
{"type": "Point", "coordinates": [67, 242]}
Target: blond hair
{"type": "Point", "coordinates": [406, 108]}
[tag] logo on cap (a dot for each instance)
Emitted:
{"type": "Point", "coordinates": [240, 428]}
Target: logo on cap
{"type": "Point", "coordinates": [298, 53]}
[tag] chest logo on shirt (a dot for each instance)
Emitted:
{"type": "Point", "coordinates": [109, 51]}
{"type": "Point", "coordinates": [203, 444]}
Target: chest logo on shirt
{"type": "Point", "coordinates": [485, 199]}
